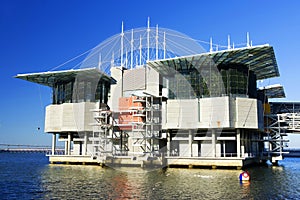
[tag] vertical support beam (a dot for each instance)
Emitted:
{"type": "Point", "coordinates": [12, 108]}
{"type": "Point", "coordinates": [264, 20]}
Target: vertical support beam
{"type": "Point", "coordinates": [168, 142]}
{"type": "Point", "coordinates": [224, 148]}
{"type": "Point", "coordinates": [85, 143]}
{"type": "Point", "coordinates": [66, 147]}
{"type": "Point", "coordinates": [249, 145]}
{"type": "Point", "coordinates": [190, 143]}
{"type": "Point", "coordinates": [69, 144]}
{"type": "Point", "coordinates": [243, 143]}
{"type": "Point", "coordinates": [53, 143]}
{"type": "Point", "coordinates": [238, 143]}
{"type": "Point", "coordinates": [213, 142]}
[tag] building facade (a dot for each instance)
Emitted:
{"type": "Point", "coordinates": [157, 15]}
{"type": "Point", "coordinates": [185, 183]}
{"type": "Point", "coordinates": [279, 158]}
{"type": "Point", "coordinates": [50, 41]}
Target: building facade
{"type": "Point", "coordinates": [202, 109]}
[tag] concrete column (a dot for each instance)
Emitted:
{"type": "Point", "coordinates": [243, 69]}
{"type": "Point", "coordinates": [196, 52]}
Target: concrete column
{"type": "Point", "coordinates": [238, 143]}
{"type": "Point", "coordinates": [249, 145]}
{"type": "Point", "coordinates": [53, 143]}
{"type": "Point", "coordinates": [69, 144]}
{"type": "Point", "coordinates": [243, 143]}
{"type": "Point", "coordinates": [66, 147]}
{"type": "Point", "coordinates": [190, 143]}
{"type": "Point", "coordinates": [168, 142]}
{"type": "Point", "coordinates": [85, 144]}
{"type": "Point", "coordinates": [213, 142]}
{"type": "Point", "coordinates": [224, 149]}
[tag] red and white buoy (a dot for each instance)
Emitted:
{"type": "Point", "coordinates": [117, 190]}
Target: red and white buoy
{"type": "Point", "coordinates": [244, 176]}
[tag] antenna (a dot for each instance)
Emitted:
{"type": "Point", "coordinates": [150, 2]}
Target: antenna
{"type": "Point", "coordinates": [228, 42]}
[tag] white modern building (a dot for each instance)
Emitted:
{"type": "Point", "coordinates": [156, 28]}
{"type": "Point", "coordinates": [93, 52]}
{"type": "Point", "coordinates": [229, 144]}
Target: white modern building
{"type": "Point", "coordinates": [157, 98]}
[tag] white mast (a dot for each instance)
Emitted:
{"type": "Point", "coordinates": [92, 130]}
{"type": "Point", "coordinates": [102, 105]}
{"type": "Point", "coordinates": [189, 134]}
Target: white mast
{"type": "Point", "coordinates": [228, 42]}
{"type": "Point", "coordinates": [112, 60]}
{"type": "Point", "coordinates": [165, 45]}
{"type": "Point", "coordinates": [140, 50]}
{"type": "Point", "coordinates": [248, 40]}
{"type": "Point", "coordinates": [126, 61]}
{"type": "Point", "coordinates": [148, 39]}
{"type": "Point", "coordinates": [99, 62]}
{"type": "Point", "coordinates": [131, 50]}
{"type": "Point", "coordinates": [156, 47]}
{"type": "Point", "coordinates": [122, 43]}
{"type": "Point", "coordinates": [211, 46]}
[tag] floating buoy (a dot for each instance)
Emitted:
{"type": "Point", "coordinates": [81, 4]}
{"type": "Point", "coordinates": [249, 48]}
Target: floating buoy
{"type": "Point", "coordinates": [244, 176]}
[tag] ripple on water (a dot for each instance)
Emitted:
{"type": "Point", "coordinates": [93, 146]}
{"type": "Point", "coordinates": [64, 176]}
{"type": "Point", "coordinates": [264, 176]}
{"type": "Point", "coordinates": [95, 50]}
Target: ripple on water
{"type": "Point", "coordinates": [31, 177]}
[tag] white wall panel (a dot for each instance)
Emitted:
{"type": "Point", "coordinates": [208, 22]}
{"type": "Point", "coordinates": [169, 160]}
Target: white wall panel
{"type": "Point", "coordinates": [69, 117]}
{"type": "Point", "coordinates": [214, 112]}
{"type": "Point", "coordinates": [246, 113]}
{"type": "Point", "coordinates": [53, 118]}
{"type": "Point", "coordinates": [182, 114]}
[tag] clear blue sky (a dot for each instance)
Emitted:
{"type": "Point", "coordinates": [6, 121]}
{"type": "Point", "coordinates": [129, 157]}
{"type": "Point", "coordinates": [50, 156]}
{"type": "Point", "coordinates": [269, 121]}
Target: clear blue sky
{"type": "Point", "coordinates": [38, 35]}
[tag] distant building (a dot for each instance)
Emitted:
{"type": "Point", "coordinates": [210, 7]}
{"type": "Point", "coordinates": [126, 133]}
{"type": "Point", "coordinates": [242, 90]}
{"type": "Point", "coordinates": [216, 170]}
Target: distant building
{"type": "Point", "coordinates": [155, 99]}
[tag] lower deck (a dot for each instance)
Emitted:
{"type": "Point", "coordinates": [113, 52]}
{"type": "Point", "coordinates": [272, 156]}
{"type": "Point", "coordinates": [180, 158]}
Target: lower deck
{"type": "Point", "coordinates": [190, 162]}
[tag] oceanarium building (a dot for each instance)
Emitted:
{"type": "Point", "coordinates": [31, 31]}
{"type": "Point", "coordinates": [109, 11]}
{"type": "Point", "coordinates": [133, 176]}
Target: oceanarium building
{"type": "Point", "coordinates": [153, 96]}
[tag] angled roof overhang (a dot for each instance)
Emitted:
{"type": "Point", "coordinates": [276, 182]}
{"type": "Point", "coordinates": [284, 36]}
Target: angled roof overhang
{"type": "Point", "coordinates": [273, 91]}
{"type": "Point", "coordinates": [52, 77]}
{"type": "Point", "coordinates": [260, 59]}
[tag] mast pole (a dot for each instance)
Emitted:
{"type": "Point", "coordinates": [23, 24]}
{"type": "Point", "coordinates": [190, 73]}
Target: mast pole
{"type": "Point", "coordinates": [131, 50]}
{"type": "Point", "coordinates": [122, 43]}
{"type": "Point", "coordinates": [165, 45]}
{"type": "Point", "coordinates": [156, 47]}
{"type": "Point", "coordinates": [148, 39]}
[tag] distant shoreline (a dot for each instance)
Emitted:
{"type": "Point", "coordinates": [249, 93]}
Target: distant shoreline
{"type": "Point", "coordinates": [293, 153]}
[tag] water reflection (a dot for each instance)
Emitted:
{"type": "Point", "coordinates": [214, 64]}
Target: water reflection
{"type": "Point", "coordinates": [29, 176]}
{"type": "Point", "coordinates": [93, 182]}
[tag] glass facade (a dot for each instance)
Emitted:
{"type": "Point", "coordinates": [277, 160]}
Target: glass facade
{"type": "Point", "coordinates": [80, 90]}
{"type": "Point", "coordinates": [211, 81]}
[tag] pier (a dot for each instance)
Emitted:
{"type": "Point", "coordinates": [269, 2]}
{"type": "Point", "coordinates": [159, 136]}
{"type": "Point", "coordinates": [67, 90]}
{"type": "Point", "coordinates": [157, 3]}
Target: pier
{"type": "Point", "coordinates": [22, 148]}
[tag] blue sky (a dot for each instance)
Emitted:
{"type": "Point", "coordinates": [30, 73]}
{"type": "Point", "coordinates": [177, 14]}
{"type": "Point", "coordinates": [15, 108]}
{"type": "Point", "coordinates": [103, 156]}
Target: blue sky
{"type": "Point", "coordinates": [38, 35]}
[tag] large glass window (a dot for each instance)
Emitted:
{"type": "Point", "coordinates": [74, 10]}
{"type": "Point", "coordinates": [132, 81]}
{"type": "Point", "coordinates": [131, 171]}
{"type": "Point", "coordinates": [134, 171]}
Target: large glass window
{"type": "Point", "coordinates": [209, 81]}
{"type": "Point", "coordinates": [80, 91]}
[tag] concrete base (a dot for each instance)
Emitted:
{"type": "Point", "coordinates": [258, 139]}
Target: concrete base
{"type": "Point", "coordinates": [71, 159]}
{"type": "Point", "coordinates": [205, 162]}
{"type": "Point", "coordinates": [143, 161]}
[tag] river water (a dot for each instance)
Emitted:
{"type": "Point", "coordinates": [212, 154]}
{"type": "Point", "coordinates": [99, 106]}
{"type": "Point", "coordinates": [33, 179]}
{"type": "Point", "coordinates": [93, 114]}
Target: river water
{"type": "Point", "coordinates": [30, 176]}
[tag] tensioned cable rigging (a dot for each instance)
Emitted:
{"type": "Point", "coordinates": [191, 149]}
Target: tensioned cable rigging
{"type": "Point", "coordinates": [136, 47]}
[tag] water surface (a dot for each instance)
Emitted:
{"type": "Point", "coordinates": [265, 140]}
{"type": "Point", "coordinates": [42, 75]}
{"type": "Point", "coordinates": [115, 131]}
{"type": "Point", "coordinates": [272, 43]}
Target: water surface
{"type": "Point", "coordinates": [29, 176]}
